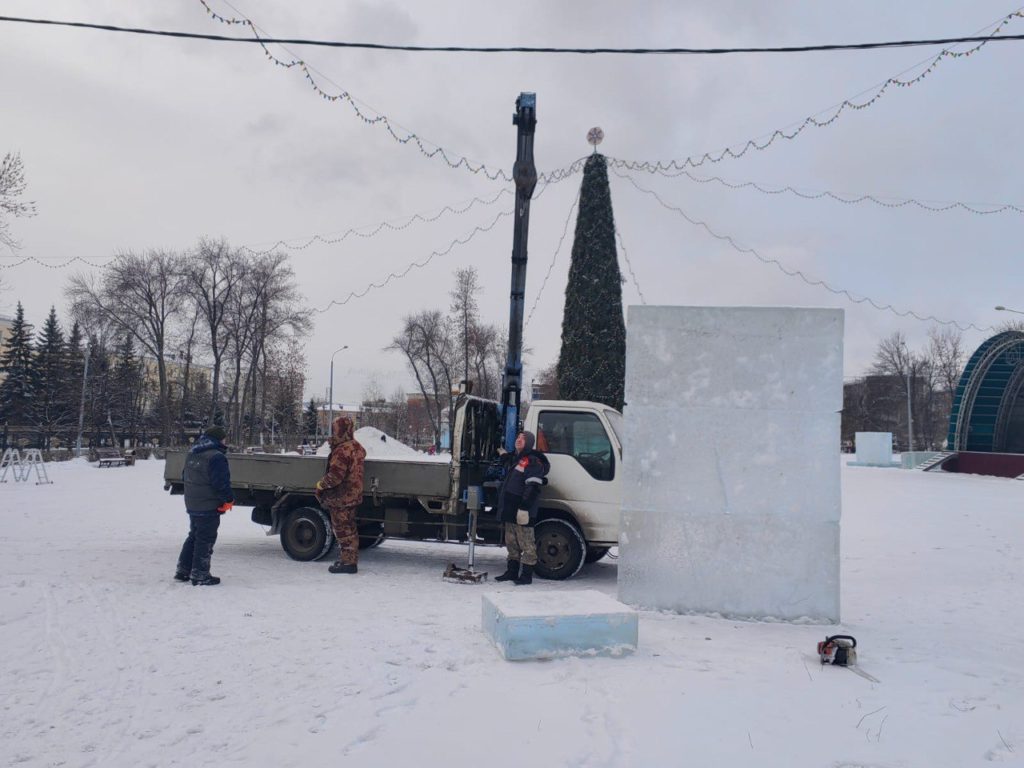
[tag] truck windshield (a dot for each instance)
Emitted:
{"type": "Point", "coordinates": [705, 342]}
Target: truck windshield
{"type": "Point", "coordinates": [615, 419]}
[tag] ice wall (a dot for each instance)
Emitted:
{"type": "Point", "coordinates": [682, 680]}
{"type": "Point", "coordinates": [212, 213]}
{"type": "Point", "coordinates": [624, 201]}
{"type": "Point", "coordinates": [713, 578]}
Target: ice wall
{"type": "Point", "coordinates": [731, 496]}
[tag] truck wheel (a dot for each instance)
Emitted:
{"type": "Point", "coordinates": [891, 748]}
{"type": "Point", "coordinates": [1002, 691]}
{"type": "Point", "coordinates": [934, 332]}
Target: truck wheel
{"type": "Point", "coordinates": [560, 549]}
{"type": "Point", "coordinates": [306, 534]}
{"type": "Point", "coordinates": [594, 554]}
{"type": "Point", "coordinates": [371, 536]}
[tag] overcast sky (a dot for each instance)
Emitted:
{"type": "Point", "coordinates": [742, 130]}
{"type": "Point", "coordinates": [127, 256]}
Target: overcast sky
{"type": "Point", "coordinates": [134, 142]}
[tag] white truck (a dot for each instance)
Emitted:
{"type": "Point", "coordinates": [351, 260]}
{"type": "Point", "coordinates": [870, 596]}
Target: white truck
{"type": "Point", "coordinates": [425, 500]}
{"type": "Point", "coordinates": [579, 508]}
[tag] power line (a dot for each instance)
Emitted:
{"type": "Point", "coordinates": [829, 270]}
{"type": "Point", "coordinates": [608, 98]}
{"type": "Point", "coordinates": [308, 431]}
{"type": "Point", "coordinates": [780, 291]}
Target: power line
{"type": "Point", "coordinates": [936, 206]}
{"type": "Point", "coordinates": [529, 49]}
{"type": "Point", "coordinates": [798, 273]}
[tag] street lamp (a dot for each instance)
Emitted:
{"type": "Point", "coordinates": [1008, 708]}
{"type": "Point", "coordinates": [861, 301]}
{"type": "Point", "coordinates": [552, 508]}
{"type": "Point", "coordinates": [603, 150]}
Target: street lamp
{"type": "Point", "coordinates": [330, 391]}
{"type": "Point", "coordinates": [1007, 309]}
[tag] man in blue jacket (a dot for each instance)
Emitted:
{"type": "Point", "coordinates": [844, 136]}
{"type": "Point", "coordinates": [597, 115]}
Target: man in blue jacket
{"type": "Point", "coordinates": [518, 502]}
{"type": "Point", "coordinates": [207, 497]}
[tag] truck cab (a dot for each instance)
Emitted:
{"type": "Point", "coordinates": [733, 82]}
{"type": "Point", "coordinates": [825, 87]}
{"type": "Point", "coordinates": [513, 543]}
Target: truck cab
{"type": "Point", "coordinates": [580, 506]}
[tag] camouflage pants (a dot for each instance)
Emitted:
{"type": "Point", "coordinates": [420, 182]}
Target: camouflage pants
{"type": "Point", "coordinates": [520, 543]}
{"type": "Point", "coordinates": [343, 521]}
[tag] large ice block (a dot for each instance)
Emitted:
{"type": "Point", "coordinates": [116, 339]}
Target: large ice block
{"type": "Point", "coordinates": [874, 449]}
{"type": "Point", "coordinates": [544, 625]}
{"type": "Point", "coordinates": [731, 495]}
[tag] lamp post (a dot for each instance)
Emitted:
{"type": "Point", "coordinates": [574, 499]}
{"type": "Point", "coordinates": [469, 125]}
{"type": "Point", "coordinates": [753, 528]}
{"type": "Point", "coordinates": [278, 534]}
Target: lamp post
{"type": "Point", "coordinates": [1001, 308]}
{"type": "Point", "coordinates": [330, 391]}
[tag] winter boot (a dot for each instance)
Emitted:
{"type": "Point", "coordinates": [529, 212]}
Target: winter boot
{"type": "Point", "coordinates": [511, 572]}
{"type": "Point", "coordinates": [181, 576]}
{"type": "Point", "coordinates": [340, 567]}
{"type": "Point", "coordinates": [206, 581]}
{"type": "Point", "coordinates": [526, 577]}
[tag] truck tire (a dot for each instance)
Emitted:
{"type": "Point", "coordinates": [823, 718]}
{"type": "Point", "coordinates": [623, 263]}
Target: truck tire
{"type": "Point", "coordinates": [595, 553]}
{"type": "Point", "coordinates": [371, 536]}
{"type": "Point", "coordinates": [560, 549]}
{"type": "Point", "coordinates": [306, 534]}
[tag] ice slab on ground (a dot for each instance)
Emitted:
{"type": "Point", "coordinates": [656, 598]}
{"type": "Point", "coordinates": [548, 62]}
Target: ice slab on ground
{"type": "Point", "coordinates": [731, 495]}
{"type": "Point", "coordinates": [544, 625]}
{"type": "Point", "coordinates": [874, 449]}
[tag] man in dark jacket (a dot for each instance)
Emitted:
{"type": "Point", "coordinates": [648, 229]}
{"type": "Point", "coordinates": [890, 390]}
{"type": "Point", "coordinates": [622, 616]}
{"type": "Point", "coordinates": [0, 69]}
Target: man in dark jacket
{"type": "Point", "coordinates": [207, 497]}
{"type": "Point", "coordinates": [517, 507]}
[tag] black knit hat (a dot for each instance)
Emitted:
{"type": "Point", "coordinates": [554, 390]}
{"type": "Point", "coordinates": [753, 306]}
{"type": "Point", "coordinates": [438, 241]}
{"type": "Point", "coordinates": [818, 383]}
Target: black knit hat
{"type": "Point", "coordinates": [216, 433]}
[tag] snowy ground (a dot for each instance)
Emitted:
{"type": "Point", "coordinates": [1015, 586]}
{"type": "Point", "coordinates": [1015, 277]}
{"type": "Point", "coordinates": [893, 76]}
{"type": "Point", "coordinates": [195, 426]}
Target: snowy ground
{"type": "Point", "coordinates": [108, 662]}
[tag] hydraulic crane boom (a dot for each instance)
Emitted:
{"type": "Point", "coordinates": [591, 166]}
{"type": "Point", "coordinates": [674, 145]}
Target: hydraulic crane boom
{"type": "Point", "coordinates": [524, 174]}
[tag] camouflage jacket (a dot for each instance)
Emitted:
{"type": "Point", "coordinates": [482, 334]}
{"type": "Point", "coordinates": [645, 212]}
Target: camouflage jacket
{"type": "Point", "coordinates": [342, 486]}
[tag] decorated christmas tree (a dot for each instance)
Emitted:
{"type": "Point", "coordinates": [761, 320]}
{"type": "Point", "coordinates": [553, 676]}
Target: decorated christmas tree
{"type": "Point", "coordinates": [592, 364]}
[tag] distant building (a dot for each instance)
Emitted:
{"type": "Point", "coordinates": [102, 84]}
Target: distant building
{"type": "Point", "coordinates": [323, 425]}
{"type": "Point", "coordinates": [5, 331]}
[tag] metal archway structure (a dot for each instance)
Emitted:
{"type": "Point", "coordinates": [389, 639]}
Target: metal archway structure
{"type": "Point", "coordinates": [988, 407]}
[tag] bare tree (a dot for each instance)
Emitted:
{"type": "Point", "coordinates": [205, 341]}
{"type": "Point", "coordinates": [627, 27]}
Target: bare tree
{"type": "Point", "coordinates": [465, 309]}
{"type": "Point", "coordinates": [186, 345]}
{"type": "Point", "coordinates": [280, 313]}
{"type": "Point", "coordinates": [894, 358]}
{"type": "Point", "coordinates": [12, 187]}
{"type": "Point", "coordinates": [139, 295]}
{"type": "Point", "coordinates": [211, 275]}
{"type": "Point", "coordinates": [430, 347]}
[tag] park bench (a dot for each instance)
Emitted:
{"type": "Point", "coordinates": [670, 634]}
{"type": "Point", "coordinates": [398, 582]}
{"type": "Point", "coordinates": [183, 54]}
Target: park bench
{"type": "Point", "coordinates": [112, 457]}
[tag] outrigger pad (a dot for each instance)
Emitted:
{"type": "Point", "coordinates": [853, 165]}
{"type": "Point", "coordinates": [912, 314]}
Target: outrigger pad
{"type": "Point", "coordinates": [457, 575]}
{"type": "Point", "coordinates": [545, 625]}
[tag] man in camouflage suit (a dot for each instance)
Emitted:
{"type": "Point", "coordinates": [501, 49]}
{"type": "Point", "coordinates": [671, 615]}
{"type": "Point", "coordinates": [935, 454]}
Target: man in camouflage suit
{"type": "Point", "coordinates": [340, 492]}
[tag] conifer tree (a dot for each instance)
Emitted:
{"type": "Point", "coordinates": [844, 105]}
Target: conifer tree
{"type": "Point", "coordinates": [592, 363]}
{"type": "Point", "coordinates": [16, 365]}
{"type": "Point", "coordinates": [310, 417]}
{"type": "Point", "coordinates": [127, 388]}
{"type": "Point", "coordinates": [71, 394]}
{"type": "Point", "coordinates": [49, 406]}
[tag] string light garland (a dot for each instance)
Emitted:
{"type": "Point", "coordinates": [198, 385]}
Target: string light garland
{"type": "Point", "coordinates": [431, 150]}
{"type": "Point", "coordinates": [384, 225]}
{"type": "Point", "coordinates": [834, 112]}
{"type": "Point", "coordinates": [361, 110]}
{"type": "Point", "coordinates": [629, 265]}
{"type": "Point", "coordinates": [798, 273]}
{"type": "Point", "coordinates": [413, 265]}
{"type": "Point", "coordinates": [935, 206]}
{"type": "Point", "coordinates": [554, 258]}
{"type": "Point", "coordinates": [67, 263]}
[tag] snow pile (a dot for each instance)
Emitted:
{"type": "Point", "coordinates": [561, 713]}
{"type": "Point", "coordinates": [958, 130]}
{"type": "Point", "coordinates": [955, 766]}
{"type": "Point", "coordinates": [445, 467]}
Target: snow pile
{"type": "Point", "coordinates": [109, 662]}
{"type": "Point", "coordinates": [379, 445]}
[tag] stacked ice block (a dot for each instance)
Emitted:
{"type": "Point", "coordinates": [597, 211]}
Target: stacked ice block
{"type": "Point", "coordinates": [731, 497]}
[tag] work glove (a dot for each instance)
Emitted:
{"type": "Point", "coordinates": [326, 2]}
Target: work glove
{"type": "Point", "coordinates": [523, 517]}
{"type": "Point", "coordinates": [225, 507]}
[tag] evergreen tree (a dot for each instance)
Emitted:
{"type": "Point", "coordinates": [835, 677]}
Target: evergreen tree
{"type": "Point", "coordinates": [127, 387]}
{"type": "Point", "coordinates": [49, 406]}
{"type": "Point", "coordinates": [16, 365]}
{"type": "Point", "coordinates": [309, 418]}
{"type": "Point", "coordinates": [74, 360]}
{"type": "Point", "coordinates": [592, 363]}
